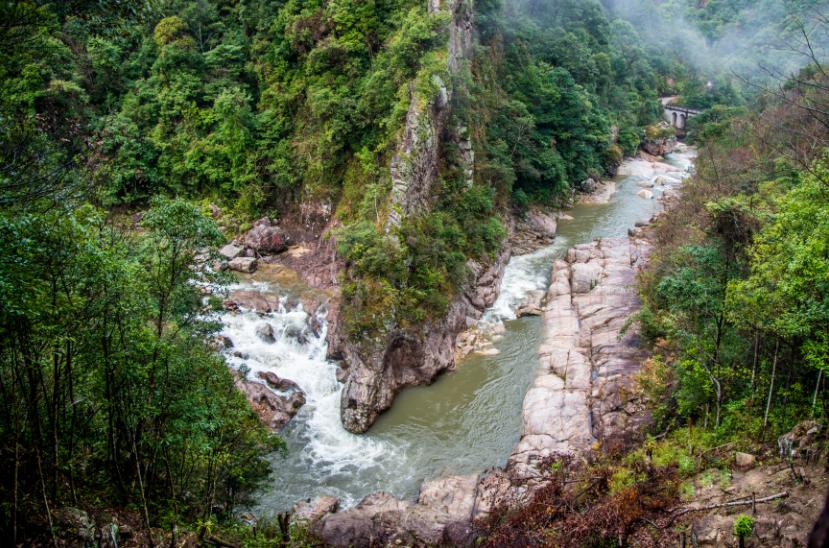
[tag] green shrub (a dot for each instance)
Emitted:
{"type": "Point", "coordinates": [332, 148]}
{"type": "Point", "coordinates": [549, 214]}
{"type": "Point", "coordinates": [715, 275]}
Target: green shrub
{"type": "Point", "coordinates": [743, 527]}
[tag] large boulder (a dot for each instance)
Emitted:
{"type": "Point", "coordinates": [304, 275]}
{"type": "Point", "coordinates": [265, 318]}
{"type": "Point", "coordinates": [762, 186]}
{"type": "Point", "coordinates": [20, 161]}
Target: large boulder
{"type": "Point", "coordinates": [659, 147]}
{"type": "Point", "coordinates": [309, 512]}
{"type": "Point", "coordinates": [231, 251]}
{"type": "Point", "coordinates": [77, 523]}
{"type": "Point", "coordinates": [266, 238]}
{"type": "Point", "coordinates": [264, 331]}
{"type": "Point", "coordinates": [246, 265]}
{"type": "Point", "coordinates": [800, 442]}
{"type": "Point", "coordinates": [278, 383]}
{"type": "Point", "coordinates": [588, 185]}
{"type": "Point", "coordinates": [442, 508]}
{"type": "Point", "coordinates": [534, 229]}
{"type": "Point", "coordinates": [274, 410]}
{"type": "Point", "coordinates": [744, 461]}
{"type": "Point", "coordinates": [261, 303]}
{"type": "Point", "coordinates": [532, 305]}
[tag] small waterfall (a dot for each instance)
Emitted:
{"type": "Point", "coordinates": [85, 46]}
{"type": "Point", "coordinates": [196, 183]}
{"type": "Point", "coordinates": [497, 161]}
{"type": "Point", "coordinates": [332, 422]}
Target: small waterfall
{"type": "Point", "coordinates": [523, 273]}
{"type": "Point", "coordinates": [319, 448]}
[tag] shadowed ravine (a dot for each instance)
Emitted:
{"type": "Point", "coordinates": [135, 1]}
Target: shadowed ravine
{"type": "Point", "coordinates": [467, 421]}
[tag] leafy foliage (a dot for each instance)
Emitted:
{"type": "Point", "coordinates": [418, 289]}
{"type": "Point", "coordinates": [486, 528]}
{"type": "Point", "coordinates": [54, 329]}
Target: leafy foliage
{"type": "Point", "coordinates": [108, 387]}
{"type": "Point", "coordinates": [736, 296]}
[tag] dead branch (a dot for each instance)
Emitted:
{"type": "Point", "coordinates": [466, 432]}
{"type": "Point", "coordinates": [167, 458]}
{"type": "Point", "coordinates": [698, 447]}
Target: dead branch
{"type": "Point", "coordinates": [740, 502]}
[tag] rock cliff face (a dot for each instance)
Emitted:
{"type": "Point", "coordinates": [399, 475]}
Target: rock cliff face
{"type": "Point", "coordinates": [414, 165]}
{"type": "Point", "coordinates": [416, 355]}
{"type": "Point", "coordinates": [408, 357]}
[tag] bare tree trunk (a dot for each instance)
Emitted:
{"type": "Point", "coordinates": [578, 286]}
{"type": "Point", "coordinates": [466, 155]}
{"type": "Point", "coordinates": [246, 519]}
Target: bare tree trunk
{"type": "Point", "coordinates": [817, 388]}
{"type": "Point", "coordinates": [771, 387]}
{"type": "Point", "coordinates": [754, 364]}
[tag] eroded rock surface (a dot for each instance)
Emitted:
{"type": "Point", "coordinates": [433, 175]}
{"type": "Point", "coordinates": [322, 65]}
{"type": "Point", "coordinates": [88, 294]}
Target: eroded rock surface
{"type": "Point", "coordinates": [583, 393]}
{"type": "Point", "coordinates": [600, 194]}
{"type": "Point", "coordinates": [410, 356]}
{"type": "Point", "coordinates": [534, 229]}
{"type": "Point", "coordinates": [243, 264]}
{"type": "Point", "coordinates": [266, 237]}
{"type": "Point", "coordinates": [381, 519]}
{"type": "Point", "coordinates": [274, 410]}
{"type": "Point", "coordinates": [659, 147]}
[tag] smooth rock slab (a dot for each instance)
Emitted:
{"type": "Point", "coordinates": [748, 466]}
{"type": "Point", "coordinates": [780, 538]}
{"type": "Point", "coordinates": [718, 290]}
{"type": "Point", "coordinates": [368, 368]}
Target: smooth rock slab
{"type": "Point", "coordinates": [584, 391]}
{"type": "Point", "coordinates": [231, 251]}
{"type": "Point", "coordinates": [381, 519]}
{"type": "Point", "coordinates": [243, 264]}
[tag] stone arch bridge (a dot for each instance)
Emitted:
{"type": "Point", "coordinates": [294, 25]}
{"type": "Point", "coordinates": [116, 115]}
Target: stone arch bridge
{"type": "Point", "coordinates": [678, 116]}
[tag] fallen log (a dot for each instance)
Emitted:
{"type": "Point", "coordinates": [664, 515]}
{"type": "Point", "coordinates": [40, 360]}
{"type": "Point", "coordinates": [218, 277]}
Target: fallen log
{"type": "Point", "coordinates": [739, 502]}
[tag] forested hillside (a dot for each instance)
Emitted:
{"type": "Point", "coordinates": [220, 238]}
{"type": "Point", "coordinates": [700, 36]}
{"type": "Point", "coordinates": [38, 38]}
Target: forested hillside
{"type": "Point", "coordinates": [262, 108]}
{"type": "Point", "coordinates": [138, 137]}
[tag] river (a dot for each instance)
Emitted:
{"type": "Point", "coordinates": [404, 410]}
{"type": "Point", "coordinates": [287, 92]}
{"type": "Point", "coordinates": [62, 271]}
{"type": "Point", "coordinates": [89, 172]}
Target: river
{"type": "Point", "coordinates": [467, 421]}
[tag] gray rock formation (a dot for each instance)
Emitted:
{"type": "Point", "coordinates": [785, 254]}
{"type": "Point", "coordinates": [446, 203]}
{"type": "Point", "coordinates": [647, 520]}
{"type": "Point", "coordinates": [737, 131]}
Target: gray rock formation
{"type": "Point", "coordinates": [274, 410]}
{"type": "Point", "coordinates": [276, 382]}
{"type": "Point", "coordinates": [534, 229]}
{"type": "Point", "coordinates": [414, 166]}
{"type": "Point", "coordinates": [242, 264]}
{"type": "Point", "coordinates": [311, 511]}
{"type": "Point", "coordinates": [231, 251]}
{"type": "Point", "coordinates": [264, 331]}
{"type": "Point", "coordinates": [409, 356]}
{"type": "Point", "coordinates": [266, 237]}
{"type": "Point", "coordinates": [262, 303]}
{"type": "Point", "coordinates": [532, 305]}
{"type": "Point", "coordinates": [377, 370]}
{"type": "Point", "coordinates": [659, 147]}
{"type": "Point", "coordinates": [381, 519]}
{"type": "Point", "coordinates": [584, 392]}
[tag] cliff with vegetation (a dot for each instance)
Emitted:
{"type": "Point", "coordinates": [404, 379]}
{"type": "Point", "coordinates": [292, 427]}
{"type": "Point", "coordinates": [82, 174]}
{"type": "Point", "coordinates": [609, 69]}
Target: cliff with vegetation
{"type": "Point", "coordinates": [393, 146]}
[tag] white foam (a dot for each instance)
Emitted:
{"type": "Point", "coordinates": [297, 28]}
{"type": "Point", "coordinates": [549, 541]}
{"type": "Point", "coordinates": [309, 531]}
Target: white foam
{"type": "Point", "coordinates": [329, 448]}
{"type": "Point", "coordinates": [523, 273]}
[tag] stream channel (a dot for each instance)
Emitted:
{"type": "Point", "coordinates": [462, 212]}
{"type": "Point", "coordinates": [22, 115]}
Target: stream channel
{"type": "Point", "coordinates": [468, 420]}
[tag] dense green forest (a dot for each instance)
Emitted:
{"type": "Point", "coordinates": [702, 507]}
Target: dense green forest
{"type": "Point", "coordinates": [122, 122]}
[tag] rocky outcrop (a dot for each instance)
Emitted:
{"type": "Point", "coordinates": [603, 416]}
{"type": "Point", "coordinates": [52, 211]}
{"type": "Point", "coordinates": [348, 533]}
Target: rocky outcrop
{"type": "Point", "coordinates": [231, 251]}
{"type": "Point", "coordinates": [533, 229]}
{"type": "Point", "coordinates": [309, 512]}
{"type": "Point", "coordinates": [274, 410]}
{"type": "Point", "coordinates": [266, 238]}
{"type": "Point", "coordinates": [378, 369]}
{"type": "Point", "coordinates": [442, 511]}
{"type": "Point", "coordinates": [583, 393]}
{"type": "Point", "coordinates": [532, 305]}
{"type": "Point", "coordinates": [601, 193]}
{"type": "Point", "coordinates": [411, 356]}
{"type": "Point", "coordinates": [414, 165]}
{"type": "Point", "coordinates": [265, 332]}
{"type": "Point", "coordinates": [659, 147]}
{"type": "Point", "coordinates": [262, 303]}
{"type": "Point", "coordinates": [75, 525]}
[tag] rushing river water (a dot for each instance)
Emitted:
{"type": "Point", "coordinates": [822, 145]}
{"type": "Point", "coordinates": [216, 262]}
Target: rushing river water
{"type": "Point", "coordinates": [467, 421]}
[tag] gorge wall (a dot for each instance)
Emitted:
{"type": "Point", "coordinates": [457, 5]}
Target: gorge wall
{"type": "Point", "coordinates": [376, 372]}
